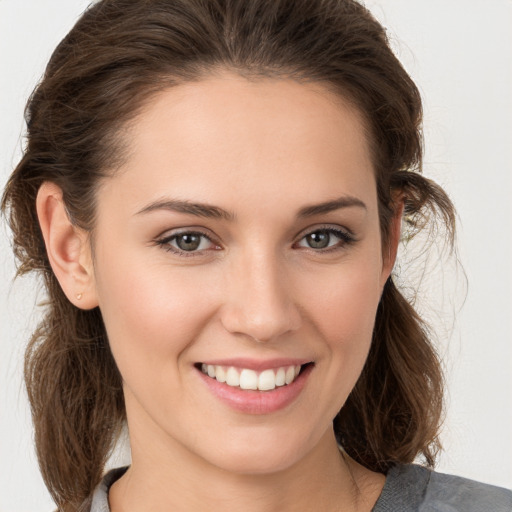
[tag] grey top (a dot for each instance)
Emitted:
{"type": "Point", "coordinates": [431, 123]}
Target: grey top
{"type": "Point", "coordinates": [408, 488]}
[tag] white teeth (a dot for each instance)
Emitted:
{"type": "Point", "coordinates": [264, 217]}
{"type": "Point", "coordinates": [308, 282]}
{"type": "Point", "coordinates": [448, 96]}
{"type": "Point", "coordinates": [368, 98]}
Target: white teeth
{"type": "Point", "coordinates": [232, 377]}
{"type": "Point", "coordinates": [267, 380]}
{"type": "Point", "coordinates": [281, 377]}
{"type": "Point", "coordinates": [220, 374]}
{"type": "Point", "coordinates": [250, 379]}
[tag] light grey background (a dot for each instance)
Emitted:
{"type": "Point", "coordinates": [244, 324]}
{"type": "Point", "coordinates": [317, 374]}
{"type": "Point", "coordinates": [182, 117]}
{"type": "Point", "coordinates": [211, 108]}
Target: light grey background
{"type": "Point", "coordinates": [460, 54]}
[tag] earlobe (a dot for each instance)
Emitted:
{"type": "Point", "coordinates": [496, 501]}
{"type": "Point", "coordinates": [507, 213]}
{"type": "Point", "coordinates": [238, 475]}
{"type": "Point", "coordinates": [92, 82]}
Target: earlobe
{"type": "Point", "coordinates": [67, 247]}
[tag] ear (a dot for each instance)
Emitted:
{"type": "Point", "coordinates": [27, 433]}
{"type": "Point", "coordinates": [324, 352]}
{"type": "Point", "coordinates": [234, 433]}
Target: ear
{"type": "Point", "coordinates": [395, 229]}
{"type": "Point", "coordinates": [67, 246]}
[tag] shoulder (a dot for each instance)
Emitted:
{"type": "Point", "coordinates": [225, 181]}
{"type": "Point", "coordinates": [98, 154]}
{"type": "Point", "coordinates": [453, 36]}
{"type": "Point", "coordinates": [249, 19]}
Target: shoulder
{"type": "Point", "coordinates": [456, 493]}
{"type": "Point", "coordinates": [414, 488]}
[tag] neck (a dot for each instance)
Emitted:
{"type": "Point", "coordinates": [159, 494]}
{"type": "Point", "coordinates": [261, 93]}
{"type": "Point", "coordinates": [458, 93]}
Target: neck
{"type": "Point", "coordinates": [324, 479]}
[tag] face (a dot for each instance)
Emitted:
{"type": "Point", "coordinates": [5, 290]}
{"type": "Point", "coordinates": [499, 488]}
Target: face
{"type": "Point", "coordinates": [239, 247]}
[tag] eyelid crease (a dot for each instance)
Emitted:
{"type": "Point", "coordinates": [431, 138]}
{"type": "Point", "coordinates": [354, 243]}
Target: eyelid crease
{"type": "Point", "coordinates": [171, 233]}
{"type": "Point", "coordinates": [343, 231]}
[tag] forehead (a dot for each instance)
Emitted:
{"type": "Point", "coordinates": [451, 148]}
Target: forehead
{"type": "Point", "coordinates": [227, 135]}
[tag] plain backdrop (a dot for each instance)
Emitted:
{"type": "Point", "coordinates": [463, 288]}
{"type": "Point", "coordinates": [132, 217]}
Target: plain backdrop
{"type": "Point", "coordinates": [460, 54]}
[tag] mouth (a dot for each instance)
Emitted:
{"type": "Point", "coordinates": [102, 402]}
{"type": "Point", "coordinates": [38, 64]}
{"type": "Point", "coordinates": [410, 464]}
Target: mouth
{"type": "Point", "coordinates": [249, 379]}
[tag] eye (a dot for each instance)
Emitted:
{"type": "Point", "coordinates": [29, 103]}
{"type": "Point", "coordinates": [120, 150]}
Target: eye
{"type": "Point", "coordinates": [187, 242]}
{"type": "Point", "coordinates": [325, 238]}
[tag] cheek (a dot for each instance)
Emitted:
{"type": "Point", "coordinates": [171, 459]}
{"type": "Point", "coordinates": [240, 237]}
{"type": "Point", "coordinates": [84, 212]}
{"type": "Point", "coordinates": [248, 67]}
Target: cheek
{"type": "Point", "coordinates": [150, 316]}
{"type": "Point", "coordinates": [343, 306]}
{"type": "Point", "coordinates": [344, 315]}
{"type": "Point", "coordinates": [339, 316]}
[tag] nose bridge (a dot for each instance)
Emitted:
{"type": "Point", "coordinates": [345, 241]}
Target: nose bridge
{"type": "Point", "coordinates": [260, 302]}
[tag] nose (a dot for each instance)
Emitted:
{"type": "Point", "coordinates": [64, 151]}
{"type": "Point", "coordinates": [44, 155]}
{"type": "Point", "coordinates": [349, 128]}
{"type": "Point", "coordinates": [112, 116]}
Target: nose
{"type": "Point", "coordinates": [259, 302]}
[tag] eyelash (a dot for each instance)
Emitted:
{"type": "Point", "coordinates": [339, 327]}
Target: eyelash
{"type": "Point", "coordinates": [166, 241]}
{"type": "Point", "coordinates": [345, 238]}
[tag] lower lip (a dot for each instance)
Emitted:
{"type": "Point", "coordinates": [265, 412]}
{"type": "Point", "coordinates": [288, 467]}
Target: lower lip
{"type": "Point", "coordinates": [257, 402]}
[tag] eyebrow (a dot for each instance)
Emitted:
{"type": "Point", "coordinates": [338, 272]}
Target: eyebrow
{"type": "Point", "coordinates": [215, 212]}
{"type": "Point", "coordinates": [329, 206]}
{"type": "Point", "coordinates": [183, 206]}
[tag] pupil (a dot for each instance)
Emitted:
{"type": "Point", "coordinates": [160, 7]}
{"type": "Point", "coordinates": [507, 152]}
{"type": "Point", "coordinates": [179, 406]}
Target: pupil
{"type": "Point", "coordinates": [188, 242]}
{"type": "Point", "coordinates": [318, 239]}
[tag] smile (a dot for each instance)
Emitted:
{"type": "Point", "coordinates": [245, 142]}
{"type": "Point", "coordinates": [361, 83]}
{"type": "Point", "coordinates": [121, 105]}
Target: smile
{"type": "Point", "coordinates": [248, 379]}
{"type": "Point", "coordinates": [256, 387]}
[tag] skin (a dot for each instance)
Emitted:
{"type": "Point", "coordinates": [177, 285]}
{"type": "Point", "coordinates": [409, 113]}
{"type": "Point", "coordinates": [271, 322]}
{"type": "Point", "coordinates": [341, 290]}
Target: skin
{"type": "Point", "coordinates": [261, 150]}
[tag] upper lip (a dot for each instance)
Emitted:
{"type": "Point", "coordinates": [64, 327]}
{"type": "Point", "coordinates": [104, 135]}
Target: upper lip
{"type": "Point", "coordinates": [257, 364]}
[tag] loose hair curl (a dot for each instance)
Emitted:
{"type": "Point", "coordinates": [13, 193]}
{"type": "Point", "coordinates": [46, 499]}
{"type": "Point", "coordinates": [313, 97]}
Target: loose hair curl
{"type": "Point", "coordinates": [118, 55]}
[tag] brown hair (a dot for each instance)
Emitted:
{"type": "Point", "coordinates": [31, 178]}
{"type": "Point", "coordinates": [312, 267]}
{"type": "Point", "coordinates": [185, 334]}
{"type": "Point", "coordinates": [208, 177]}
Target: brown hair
{"type": "Point", "coordinates": [115, 58]}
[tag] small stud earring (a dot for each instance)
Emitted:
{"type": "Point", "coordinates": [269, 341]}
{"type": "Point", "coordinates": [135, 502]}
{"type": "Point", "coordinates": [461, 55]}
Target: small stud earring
{"type": "Point", "coordinates": [79, 296]}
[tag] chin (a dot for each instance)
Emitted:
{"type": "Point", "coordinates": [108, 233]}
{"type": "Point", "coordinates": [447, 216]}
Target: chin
{"type": "Point", "coordinates": [260, 454]}
{"type": "Point", "coordinates": [257, 464]}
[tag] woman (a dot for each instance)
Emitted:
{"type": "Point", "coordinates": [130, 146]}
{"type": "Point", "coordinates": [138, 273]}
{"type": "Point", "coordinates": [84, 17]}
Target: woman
{"type": "Point", "coordinates": [213, 192]}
